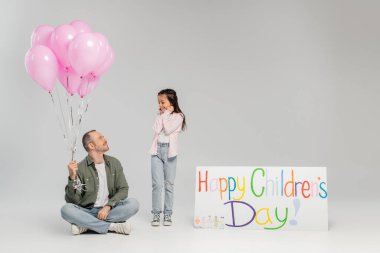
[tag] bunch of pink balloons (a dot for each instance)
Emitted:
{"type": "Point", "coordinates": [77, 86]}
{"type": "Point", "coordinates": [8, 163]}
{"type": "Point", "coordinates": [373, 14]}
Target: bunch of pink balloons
{"type": "Point", "coordinates": [72, 53]}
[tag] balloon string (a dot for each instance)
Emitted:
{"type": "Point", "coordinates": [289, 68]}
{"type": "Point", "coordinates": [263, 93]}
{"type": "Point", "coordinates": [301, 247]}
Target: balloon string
{"type": "Point", "coordinates": [77, 126]}
{"type": "Point", "coordinates": [70, 111]}
{"type": "Point", "coordinates": [72, 128]}
{"type": "Point", "coordinates": [67, 98]}
{"type": "Point", "coordinates": [82, 109]}
{"type": "Point", "coordinates": [71, 125]}
{"type": "Point", "coordinates": [59, 120]}
{"type": "Point", "coordinates": [88, 84]}
{"type": "Point", "coordinates": [62, 114]}
{"type": "Point", "coordinates": [67, 81]}
{"type": "Point", "coordinates": [69, 122]}
{"type": "Point", "coordinates": [85, 110]}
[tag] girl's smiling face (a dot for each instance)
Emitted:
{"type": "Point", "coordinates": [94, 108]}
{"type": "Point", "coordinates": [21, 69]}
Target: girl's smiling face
{"type": "Point", "coordinates": [163, 102]}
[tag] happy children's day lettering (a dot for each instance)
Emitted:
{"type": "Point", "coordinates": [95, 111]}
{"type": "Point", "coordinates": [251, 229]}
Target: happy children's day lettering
{"type": "Point", "coordinates": [235, 192]}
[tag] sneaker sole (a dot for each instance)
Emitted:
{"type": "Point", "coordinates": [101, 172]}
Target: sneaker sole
{"type": "Point", "coordinates": [129, 229]}
{"type": "Point", "coordinates": [75, 230]}
{"type": "Point", "coordinates": [155, 224]}
{"type": "Point", "coordinates": [167, 223]}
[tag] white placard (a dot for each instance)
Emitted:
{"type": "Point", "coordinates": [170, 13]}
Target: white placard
{"type": "Point", "coordinates": [257, 197]}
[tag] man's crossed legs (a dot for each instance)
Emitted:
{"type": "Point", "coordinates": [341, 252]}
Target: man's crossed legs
{"type": "Point", "coordinates": [83, 219]}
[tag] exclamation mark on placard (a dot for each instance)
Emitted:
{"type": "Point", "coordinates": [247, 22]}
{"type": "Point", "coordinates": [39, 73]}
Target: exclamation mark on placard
{"type": "Point", "coordinates": [297, 205]}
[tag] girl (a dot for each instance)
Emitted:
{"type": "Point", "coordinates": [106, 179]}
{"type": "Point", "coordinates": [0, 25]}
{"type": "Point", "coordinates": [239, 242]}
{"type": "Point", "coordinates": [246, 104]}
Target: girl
{"type": "Point", "coordinates": [170, 121]}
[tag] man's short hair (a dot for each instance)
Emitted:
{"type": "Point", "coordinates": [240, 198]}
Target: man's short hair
{"type": "Point", "coordinates": [86, 139]}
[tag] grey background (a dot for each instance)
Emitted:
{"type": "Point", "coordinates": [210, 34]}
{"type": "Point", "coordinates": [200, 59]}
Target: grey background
{"type": "Point", "coordinates": [261, 82]}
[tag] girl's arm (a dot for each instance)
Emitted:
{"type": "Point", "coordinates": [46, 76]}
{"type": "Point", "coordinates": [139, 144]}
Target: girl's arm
{"type": "Point", "coordinates": [171, 124]}
{"type": "Point", "coordinates": [157, 127]}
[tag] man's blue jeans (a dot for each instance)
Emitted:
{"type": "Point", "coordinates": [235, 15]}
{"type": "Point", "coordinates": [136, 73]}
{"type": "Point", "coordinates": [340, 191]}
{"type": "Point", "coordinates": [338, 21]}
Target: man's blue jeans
{"type": "Point", "coordinates": [86, 217]}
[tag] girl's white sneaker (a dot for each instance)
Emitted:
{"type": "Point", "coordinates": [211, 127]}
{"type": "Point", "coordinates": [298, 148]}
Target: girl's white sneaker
{"type": "Point", "coordinates": [167, 220]}
{"type": "Point", "coordinates": [156, 220]}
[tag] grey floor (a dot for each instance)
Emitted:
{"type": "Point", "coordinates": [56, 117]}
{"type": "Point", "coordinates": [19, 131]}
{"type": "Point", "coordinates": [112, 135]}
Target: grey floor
{"type": "Point", "coordinates": [354, 227]}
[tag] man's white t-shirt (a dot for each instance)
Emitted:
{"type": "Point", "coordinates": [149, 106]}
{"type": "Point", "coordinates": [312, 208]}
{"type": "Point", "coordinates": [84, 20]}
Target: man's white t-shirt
{"type": "Point", "coordinates": [102, 197]}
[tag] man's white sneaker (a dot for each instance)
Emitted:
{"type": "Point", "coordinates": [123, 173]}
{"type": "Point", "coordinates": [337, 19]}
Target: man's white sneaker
{"type": "Point", "coordinates": [121, 228]}
{"type": "Point", "coordinates": [77, 230]}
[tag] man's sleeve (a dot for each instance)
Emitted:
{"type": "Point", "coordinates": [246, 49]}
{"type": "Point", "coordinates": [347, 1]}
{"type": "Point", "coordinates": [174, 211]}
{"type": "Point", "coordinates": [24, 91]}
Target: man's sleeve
{"type": "Point", "coordinates": [74, 190]}
{"type": "Point", "coordinates": [121, 187]}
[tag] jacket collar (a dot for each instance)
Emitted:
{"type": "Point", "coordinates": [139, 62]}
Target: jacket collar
{"type": "Point", "coordinates": [90, 161]}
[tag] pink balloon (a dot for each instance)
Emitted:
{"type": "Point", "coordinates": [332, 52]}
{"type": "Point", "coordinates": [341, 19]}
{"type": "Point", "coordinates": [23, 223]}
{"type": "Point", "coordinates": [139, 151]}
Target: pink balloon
{"type": "Point", "coordinates": [104, 48]}
{"type": "Point", "coordinates": [41, 35]}
{"type": "Point", "coordinates": [84, 53]}
{"type": "Point", "coordinates": [80, 26]}
{"type": "Point", "coordinates": [59, 42]}
{"type": "Point", "coordinates": [69, 79]}
{"type": "Point", "coordinates": [41, 64]}
{"type": "Point", "coordinates": [88, 84]}
{"type": "Point", "coordinates": [106, 64]}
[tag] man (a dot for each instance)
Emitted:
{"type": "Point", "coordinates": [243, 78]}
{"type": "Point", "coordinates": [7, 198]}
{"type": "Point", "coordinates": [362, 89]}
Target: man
{"type": "Point", "coordinates": [97, 191]}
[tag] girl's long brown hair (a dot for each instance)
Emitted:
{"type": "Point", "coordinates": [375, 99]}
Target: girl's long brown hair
{"type": "Point", "coordinates": [173, 99]}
